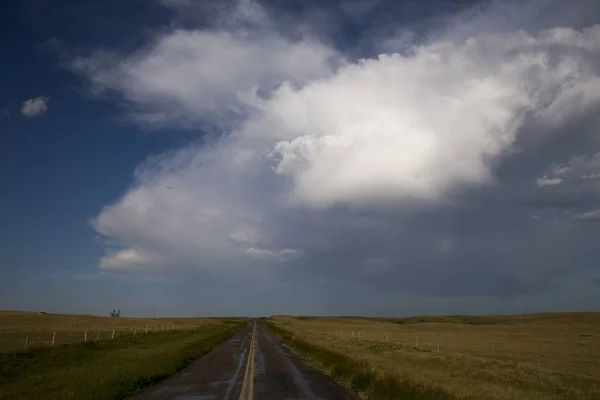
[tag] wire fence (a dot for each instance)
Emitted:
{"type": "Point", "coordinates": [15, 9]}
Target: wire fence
{"type": "Point", "coordinates": [11, 340]}
{"type": "Point", "coordinates": [547, 354]}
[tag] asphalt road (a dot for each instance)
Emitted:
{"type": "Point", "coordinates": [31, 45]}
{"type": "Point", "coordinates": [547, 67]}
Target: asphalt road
{"type": "Point", "coordinates": [250, 365]}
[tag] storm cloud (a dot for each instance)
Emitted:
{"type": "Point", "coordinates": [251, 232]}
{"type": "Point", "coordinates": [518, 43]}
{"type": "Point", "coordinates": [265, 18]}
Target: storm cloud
{"type": "Point", "coordinates": [456, 164]}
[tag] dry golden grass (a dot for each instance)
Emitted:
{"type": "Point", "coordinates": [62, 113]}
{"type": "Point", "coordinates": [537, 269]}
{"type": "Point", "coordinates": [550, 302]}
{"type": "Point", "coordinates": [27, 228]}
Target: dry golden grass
{"type": "Point", "coordinates": [541, 356]}
{"type": "Point", "coordinates": [15, 325]}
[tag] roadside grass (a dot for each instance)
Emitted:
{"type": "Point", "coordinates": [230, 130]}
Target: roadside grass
{"type": "Point", "coordinates": [16, 325]}
{"type": "Point", "coordinates": [366, 380]}
{"type": "Point", "coordinates": [105, 370]}
{"type": "Point", "coordinates": [537, 356]}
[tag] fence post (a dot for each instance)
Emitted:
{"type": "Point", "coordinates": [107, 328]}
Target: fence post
{"type": "Point", "coordinates": [387, 337]}
{"type": "Point", "coordinates": [26, 341]}
{"type": "Point", "coordinates": [417, 337]}
{"type": "Point", "coordinates": [146, 328]}
{"type": "Point", "coordinates": [359, 334]}
{"type": "Point", "coordinates": [134, 331]}
{"type": "Point", "coordinates": [85, 336]}
{"type": "Point", "coordinates": [113, 334]}
{"type": "Point", "coordinates": [53, 338]}
{"type": "Point", "coordinates": [401, 343]}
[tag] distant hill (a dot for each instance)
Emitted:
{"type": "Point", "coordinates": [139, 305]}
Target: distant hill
{"type": "Point", "coordinates": [466, 319]}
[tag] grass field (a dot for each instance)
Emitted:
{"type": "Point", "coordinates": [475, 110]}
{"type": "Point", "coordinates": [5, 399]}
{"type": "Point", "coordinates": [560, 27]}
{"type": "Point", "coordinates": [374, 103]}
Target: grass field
{"type": "Point", "coordinates": [41, 328]}
{"type": "Point", "coordinates": [108, 369]}
{"type": "Point", "coordinates": [541, 356]}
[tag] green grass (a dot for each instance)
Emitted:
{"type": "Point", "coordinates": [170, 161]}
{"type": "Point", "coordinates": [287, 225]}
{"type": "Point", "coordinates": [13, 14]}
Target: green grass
{"type": "Point", "coordinates": [111, 369]}
{"type": "Point", "coordinates": [518, 357]}
{"type": "Point", "coordinates": [368, 381]}
{"type": "Point", "coordinates": [16, 325]}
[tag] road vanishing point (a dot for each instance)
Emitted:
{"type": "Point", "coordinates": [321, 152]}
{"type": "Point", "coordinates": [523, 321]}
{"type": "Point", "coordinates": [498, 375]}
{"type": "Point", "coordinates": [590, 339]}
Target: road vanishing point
{"type": "Point", "coordinates": [252, 364]}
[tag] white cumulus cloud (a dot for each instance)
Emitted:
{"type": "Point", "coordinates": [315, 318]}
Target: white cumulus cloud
{"type": "Point", "coordinates": [593, 215]}
{"type": "Point", "coordinates": [545, 181]}
{"type": "Point", "coordinates": [401, 127]}
{"type": "Point", "coordinates": [270, 255]}
{"type": "Point", "coordinates": [211, 76]}
{"type": "Point", "coordinates": [124, 259]}
{"type": "Point", "coordinates": [314, 130]}
{"type": "Point", "coordinates": [577, 169]}
{"type": "Point", "coordinates": [34, 107]}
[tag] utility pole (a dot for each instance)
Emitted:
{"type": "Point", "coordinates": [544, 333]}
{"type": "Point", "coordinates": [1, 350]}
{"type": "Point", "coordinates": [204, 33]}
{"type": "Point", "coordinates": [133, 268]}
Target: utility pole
{"type": "Point", "coordinates": [154, 315]}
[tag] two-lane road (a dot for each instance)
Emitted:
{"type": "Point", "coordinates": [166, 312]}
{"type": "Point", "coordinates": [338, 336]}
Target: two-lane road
{"type": "Point", "coordinates": [250, 365]}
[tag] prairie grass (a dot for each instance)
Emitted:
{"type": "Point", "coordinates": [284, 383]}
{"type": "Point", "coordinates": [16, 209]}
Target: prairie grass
{"type": "Point", "coordinates": [16, 325]}
{"type": "Point", "coordinates": [365, 379]}
{"type": "Point", "coordinates": [105, 370]}
{"type": "Point", "coordinates": [539, 356]}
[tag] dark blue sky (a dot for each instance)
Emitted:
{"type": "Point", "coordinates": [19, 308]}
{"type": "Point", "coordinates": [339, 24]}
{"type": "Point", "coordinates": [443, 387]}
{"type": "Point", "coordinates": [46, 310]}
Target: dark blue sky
{"type": "Point", "coordinates": [61, 168]}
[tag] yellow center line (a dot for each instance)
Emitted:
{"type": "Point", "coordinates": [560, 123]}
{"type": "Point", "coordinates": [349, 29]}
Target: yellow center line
{"type": "Point", "coordinates": [245, 382]}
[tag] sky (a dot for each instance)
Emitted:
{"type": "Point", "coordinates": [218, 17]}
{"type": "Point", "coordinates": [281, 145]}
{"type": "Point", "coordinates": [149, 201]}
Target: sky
{"type": "Point", "coordinates": [364, 157]}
